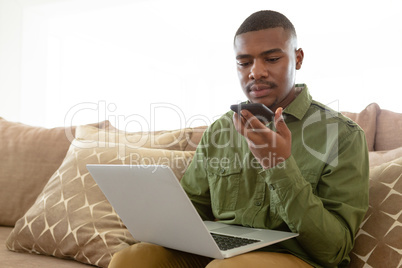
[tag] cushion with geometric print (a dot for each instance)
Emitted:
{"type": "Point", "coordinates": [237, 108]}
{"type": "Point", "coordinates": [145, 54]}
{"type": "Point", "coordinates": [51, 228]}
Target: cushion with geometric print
{"type": "Point", "coordinates": [165, 139]}
{"type": "Point", "coordinates": [379, 239]}
{"type": "Point", "coordinates": [71, 218]}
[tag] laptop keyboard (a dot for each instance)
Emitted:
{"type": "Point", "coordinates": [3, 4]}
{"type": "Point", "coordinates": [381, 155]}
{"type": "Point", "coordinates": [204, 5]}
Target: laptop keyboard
{"type": "Point", "coordinates": [226, 242]}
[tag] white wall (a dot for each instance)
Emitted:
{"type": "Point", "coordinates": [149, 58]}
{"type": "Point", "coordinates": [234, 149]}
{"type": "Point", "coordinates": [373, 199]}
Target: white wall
{"type": "Point", "coordinates": [10, 59]}
{"type": "Point", "coordinates": [81, 61]}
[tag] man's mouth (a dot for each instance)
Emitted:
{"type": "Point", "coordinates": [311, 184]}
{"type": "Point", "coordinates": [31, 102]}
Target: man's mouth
{"type": "Point", "coordinates": [259, 89]}
{"type": "Point", "coordinates": [260, 93]}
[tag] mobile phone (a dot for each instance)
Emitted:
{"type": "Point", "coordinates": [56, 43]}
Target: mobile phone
{"type": "Point", "coordinates": [259, 110]}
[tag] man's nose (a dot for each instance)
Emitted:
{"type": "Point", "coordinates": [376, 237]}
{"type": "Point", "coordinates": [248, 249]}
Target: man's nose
{"type": "Point", "coordinates": [258, 70]}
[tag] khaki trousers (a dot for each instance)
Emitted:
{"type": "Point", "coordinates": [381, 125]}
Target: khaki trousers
{"type": "Point", "coordinates": [144, 255]}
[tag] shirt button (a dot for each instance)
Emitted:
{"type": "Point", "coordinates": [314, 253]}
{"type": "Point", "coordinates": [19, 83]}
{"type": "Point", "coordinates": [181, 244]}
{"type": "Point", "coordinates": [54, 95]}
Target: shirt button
{"type": "Point", "coordinates": [222, 170]}
{"type": "Point", "coordinates": [271, 187]}
{"type": "Point", "coordinates": [257, 203]}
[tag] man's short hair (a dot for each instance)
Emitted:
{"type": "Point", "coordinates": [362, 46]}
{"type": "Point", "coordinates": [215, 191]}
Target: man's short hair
{"type": "Point", "coordinates": [266, 19]}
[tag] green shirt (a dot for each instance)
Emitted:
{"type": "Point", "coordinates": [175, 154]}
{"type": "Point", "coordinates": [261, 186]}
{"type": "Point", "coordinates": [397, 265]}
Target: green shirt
{"type": "Point", "coordinates": [320, 191]}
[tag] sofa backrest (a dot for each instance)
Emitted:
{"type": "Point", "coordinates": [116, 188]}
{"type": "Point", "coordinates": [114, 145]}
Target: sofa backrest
{"type": "Point", "coordinates": [389, 131]}
{"type": "Point", "coordinates": [382, 127]}
{"type": "Point", "coordinates": [29, 156]}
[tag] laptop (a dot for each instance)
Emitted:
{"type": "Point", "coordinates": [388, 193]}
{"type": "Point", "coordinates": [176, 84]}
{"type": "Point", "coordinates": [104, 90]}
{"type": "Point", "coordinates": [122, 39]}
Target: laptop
{"type": "Point", "coordinates": [155, 209]}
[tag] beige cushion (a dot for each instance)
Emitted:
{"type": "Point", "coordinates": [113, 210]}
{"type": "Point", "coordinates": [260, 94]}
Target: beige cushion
{"type": "Point", "coordinates": [367, 120]}
{"type": "Point", "coordinates": [389, 129]}
{"type": "Point", "coordinates": [378, 242]}
{"type": "Point", "coordinates": [29, 156]}
{"type": "Point", "coordinates": [172, 140]}
{"type": "Point", "coordinates": [196, 136]}
{"type": "Point", "coordinates": [380, 157]}
{"type": "Point", "coordinates": [72, 218]}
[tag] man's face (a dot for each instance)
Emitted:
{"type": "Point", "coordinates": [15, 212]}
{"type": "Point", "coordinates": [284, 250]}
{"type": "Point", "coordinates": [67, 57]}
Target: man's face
{"type": "Point", "coordinates": [267, 61]}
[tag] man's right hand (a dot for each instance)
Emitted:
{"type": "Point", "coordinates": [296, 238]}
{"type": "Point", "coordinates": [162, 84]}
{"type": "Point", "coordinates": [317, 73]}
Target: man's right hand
{"type": "Point", "coordinates": [268, 147]}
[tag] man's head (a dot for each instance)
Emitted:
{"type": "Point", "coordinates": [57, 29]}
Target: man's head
{"type": "Point", "coordinates": [266, 19]}
{"type": "Point", "coordinates": [267, 58]}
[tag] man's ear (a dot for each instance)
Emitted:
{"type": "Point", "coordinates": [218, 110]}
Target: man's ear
{"type": "Point", "coordinates": [299, 58]}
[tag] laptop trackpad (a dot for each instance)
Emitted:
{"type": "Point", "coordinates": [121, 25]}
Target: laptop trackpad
{"type": "Point", "coordinates": [233, 230]}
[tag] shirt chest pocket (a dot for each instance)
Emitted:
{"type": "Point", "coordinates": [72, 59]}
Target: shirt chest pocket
{"type": "Point", "coordinates": [224, 186]}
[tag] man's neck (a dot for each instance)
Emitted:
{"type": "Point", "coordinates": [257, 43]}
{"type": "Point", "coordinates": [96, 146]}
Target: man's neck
{"type": "Point", "coordinates": [288, 99]}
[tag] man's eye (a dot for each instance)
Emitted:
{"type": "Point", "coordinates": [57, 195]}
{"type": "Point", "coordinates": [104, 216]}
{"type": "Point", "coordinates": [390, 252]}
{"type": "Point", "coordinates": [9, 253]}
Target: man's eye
{"type": "Point", "coordinates": [243, 63]}
{"type": "Point", "coordinates": [272, 59]}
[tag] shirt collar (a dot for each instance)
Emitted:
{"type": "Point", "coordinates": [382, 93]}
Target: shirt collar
{"type": "Point", "coordinates": [299, 106]}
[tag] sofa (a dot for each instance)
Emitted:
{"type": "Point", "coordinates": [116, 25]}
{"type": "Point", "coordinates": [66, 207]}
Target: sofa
{"type": "Point", "coordinates": [52, 213]}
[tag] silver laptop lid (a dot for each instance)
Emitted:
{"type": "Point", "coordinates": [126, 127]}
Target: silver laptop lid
{"type": "Point", "coordinates": [154, 207]}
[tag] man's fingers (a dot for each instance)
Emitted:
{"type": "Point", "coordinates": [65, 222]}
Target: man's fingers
{"type": "Point", "coordinates": [238, 123]}
{"type": "Point", "coordinates": [250, 121]}
{"type": "Point", "coordinates": [280, 125]}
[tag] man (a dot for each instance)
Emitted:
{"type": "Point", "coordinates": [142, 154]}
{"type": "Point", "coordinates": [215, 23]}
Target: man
{"type": "Point", "coordinates": [305, 172]}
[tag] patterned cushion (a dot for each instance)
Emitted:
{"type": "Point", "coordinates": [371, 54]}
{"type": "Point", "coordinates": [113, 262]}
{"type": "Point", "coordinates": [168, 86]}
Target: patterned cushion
{"type": "Point", "coordinates": [380, 157]}
{"type": "Point", "coordinates": [169, 139]}
{"type": "Point", "coordinates": [379, 241]}
{"type": "Point", "coordinates": [71, 218]}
